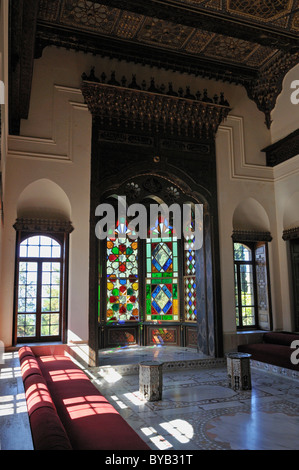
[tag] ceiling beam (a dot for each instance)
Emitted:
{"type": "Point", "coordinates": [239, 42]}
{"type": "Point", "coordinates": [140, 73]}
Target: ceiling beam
{"type": "Point", "coordinates": [142, 53]}
{"type": "Point", "coordinates": [211, 20]}
{"type": "Point", "coordinates": [23, 17]}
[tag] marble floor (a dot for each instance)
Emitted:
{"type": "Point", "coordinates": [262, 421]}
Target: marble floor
{"type": "Point", "coordinates": [198, 410]}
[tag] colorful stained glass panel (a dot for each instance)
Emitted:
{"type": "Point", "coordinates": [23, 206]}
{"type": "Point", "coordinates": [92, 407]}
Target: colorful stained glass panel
{"type": "Point", "coordinates": [189, 257]}
{"type": "Point", "coordinates": [190, 299]}
{"type": "Point", "coordinates": [122, 258]}
{"type": "Point", "coordinates": [122, 300]}
{"type": "Point", "coordinates": [189, 277]}
{"type": "Point", "coordinates": [162, 301]}
{"type": "Point", "coordinates": [162, 258]}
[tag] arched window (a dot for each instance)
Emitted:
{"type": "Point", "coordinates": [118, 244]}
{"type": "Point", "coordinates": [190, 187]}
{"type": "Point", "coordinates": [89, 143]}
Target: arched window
{"type": "Point", "coordinates": [39, 288]}
{"type": "Point", "coordinates": [41, 280]}
{"type": "Point", "coordinates": [148, 282]}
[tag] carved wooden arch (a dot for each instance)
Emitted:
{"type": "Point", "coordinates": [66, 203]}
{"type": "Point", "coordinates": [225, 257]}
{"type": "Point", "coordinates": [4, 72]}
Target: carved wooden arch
{"type": "Point", "coordinates": [204, 329]}
{"type": "Point", "coordinates": [165, 144]}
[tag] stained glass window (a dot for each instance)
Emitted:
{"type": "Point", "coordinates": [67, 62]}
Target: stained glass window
{"type": "Point", "coordinates": [189, 276]}
{"type": "Point", "coordinates": [162, 273]}
{"type": "Point", "coordinates": [122, 275]}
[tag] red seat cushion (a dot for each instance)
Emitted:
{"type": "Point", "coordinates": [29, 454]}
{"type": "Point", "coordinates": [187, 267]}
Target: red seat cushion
{"type": "Point", "coordinates": [25, 351]}
{"type": "Point", "coordinates": [275, 354]}
{"type": "Point", "coordinates": [47, 430]}
{"type": "Point", "coordinates": [37, 394]}
{"type": "Point", "coordinates": [91, 422]}
{"type": "Point", "coordinates": [29, 366]}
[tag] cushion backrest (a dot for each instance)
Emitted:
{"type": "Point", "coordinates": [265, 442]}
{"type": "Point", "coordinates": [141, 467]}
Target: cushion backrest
{"type": "Point", "coordinates": [284, 339]}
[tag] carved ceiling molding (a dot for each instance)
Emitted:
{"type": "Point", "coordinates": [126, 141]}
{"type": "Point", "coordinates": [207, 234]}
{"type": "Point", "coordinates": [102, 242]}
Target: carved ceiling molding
{"type": "Point", "coordinates": [151, 111]}
{"type": "Point", "coordinates": [248, 42]}
{"type": "Point", "coordinates": [238, 18]}
{"type": "Point", "coordinates": [290, 234]}
{"type": "Point", "coordinates": [25, 224]}
{"type": "Point", "coordinates": [265, 89]}
{"type": "Point", "coordinates": [251, 236]}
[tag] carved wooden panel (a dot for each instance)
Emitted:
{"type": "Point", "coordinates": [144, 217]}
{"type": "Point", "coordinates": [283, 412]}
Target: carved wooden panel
{"type": "Point", "coordinates": [121, 336]}
{"type": "Point", "coordinates": [152, 111]}
{"type": "Point", "coordinates": [191, 336]}
{"type": "Point", "coordinates": [164, 335]}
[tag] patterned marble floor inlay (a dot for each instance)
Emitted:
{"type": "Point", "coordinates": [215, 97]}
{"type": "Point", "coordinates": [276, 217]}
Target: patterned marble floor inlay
{"type": "Point", "coordinates": [259, 430]}
{"type": "Point", "coordinates": [198, 410]}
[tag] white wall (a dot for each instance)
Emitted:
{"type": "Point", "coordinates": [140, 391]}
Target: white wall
{"type": "Point", "coordinates": [286, 175]}
{"type": "Point", "coordinates": [55, 144]}
{"type": "Point", "coordinates": [285, 115]}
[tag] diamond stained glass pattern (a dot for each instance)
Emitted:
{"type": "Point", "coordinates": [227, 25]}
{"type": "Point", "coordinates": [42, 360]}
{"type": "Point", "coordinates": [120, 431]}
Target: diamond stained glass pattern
{"type": "Point", "coordinates": [162, 271]}
{"type": "Point", "coordinates": [189, 257]}
{"type": "Point", "coordinates": [189, 279]}
{"type": "Point", "coordinates": [162, 300]}
{"type": "Point", "coordinates": [162, 259]}
{"type": "Point", "coordinates": [190, 298]}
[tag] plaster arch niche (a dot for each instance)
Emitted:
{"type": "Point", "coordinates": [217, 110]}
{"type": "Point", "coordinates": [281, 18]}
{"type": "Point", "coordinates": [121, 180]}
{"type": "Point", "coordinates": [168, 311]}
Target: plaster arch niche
{"type": "Point", "coordinates": [251, 215]}
{"type": "Point", "coordinates": [44, 199]}
{"type": "Point", "coordinates": [291, 212]}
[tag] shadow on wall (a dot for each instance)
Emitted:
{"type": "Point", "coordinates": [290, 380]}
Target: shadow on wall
{"type": "Point", "coordinates": [44, 199]}
{"type": "Point", "coordinates": [250, 215]}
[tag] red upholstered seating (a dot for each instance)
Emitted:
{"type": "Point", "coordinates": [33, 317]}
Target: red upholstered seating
{"type": "Point", "coordinates": [90, 420]}
{"type": "Point", "coordinates": [29, 366]}
{"type": "Point", "coordinates": [47, 430]}
{"type": "Point", "coordinates": [275, 349]}
{"type": "Point", "coordinates": [64, 405]}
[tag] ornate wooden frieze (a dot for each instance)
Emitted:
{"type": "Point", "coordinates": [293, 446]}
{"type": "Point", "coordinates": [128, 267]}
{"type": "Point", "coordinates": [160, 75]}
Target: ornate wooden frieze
{"type": "Point", "coordinates": [152, 109]}
{"type": "Point", "coordinates": [290, 234]}
{"type": "Point", "coordinates": [283, 150]}
{"type": "Point", "coordinates": [43, 225]}
{"type": "Point", "coordinates": [251, 236]}
{"type": "Point", "coordinates": [124, 138]}
{"type": "Point", "coordinates": [265, 89]}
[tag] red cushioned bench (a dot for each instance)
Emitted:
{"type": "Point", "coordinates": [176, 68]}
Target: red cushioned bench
{"type": "Point", "coordinates": [275, 349]}
{"type": "Point", "coordinates": [66, 411]}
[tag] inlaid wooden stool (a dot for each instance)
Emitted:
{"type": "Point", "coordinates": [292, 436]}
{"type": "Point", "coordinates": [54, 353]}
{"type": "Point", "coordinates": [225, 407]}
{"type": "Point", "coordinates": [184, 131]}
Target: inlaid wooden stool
{"type": "Point", "coordinates": [238, 370]}
{"type": "Point", "coordinates": [150, 380]}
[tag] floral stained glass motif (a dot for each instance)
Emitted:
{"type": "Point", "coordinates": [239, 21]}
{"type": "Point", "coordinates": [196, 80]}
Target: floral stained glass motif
{"type": "Point", "coordinates": [122, 276]}
{"type": "Point", "coordinates": [122, 258]}
{"type": "Point", "coordinates": [122, 299]}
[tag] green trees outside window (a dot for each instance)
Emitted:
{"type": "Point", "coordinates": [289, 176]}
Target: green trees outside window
{"type": "Point", "coordinates": [252, 293]}
{"type": "Point", "coordinates": [39, 288]}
